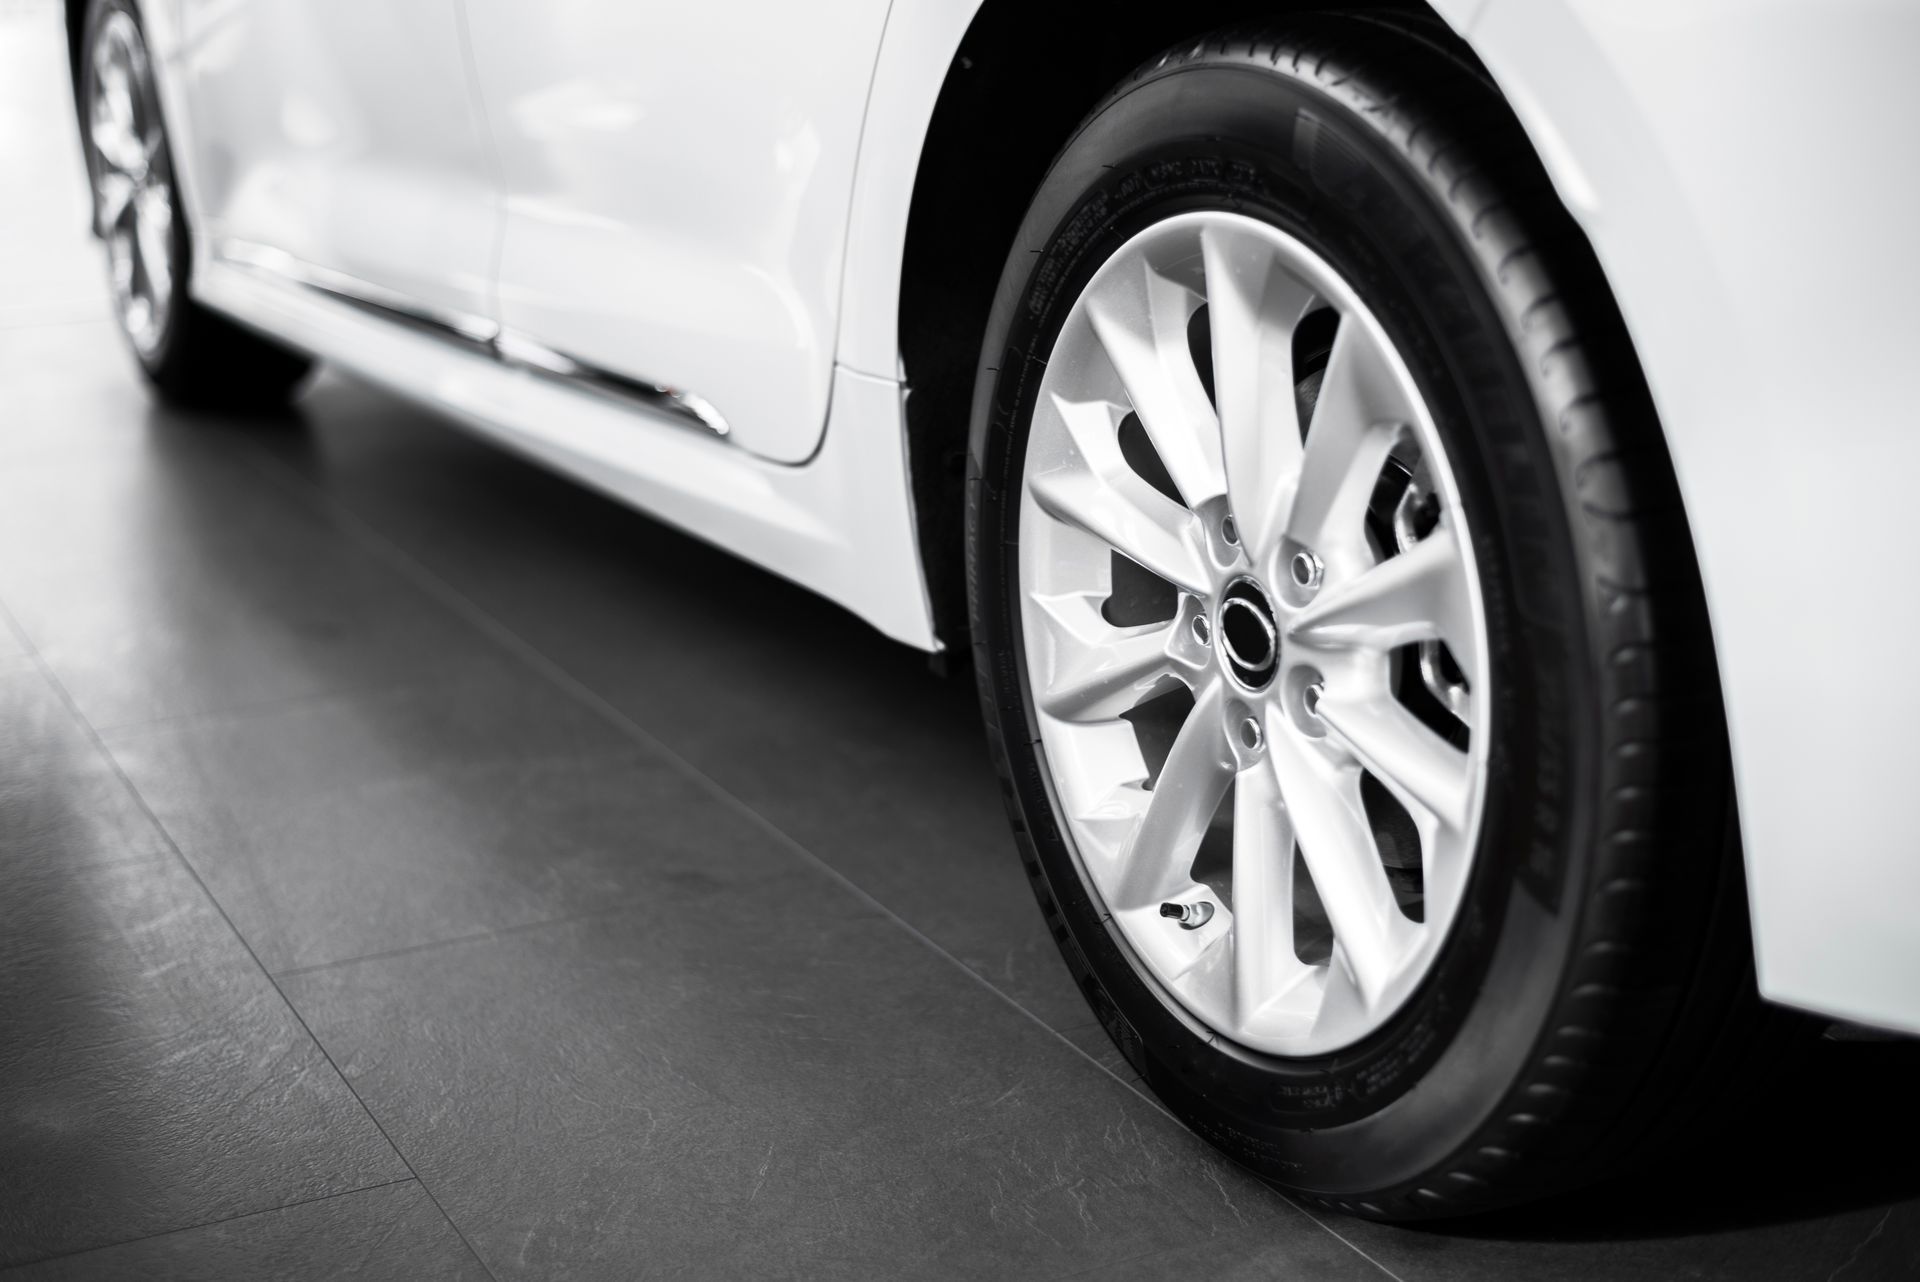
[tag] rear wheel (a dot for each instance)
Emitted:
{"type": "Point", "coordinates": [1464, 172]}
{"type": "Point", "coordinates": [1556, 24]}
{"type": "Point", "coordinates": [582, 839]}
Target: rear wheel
{"type": "Point", "coordinates": [192, 355]}
{"type": "Point", "coordinates": [1339, 638]}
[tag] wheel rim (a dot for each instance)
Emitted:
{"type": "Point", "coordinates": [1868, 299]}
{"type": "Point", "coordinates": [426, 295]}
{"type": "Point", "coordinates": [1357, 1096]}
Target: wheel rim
{"type": "Point", "coordinates": [133, 194]}
{"type": "Point", "coordinates": [1217, 793]}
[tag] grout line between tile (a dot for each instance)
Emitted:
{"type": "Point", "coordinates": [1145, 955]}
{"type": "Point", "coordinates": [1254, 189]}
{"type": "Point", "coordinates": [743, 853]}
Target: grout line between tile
{"type": "Point", "coordinates": [1342, 1238]}
{"type": "Point", "coordinates": [100, 746]}
{"type": "Point", "coordinates": [256, 709]}
{"type": "Point", "coordinates": [207, 1224]}
{"type": "Point", "coordinates": [472, 937]}
{"type": "Point", "coordinates": [1173, 1252]}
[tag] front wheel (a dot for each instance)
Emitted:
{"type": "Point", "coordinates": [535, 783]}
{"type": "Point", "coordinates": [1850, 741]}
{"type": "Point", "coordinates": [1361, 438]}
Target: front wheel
{"type": "Point", "coordinates": [1338, 634]}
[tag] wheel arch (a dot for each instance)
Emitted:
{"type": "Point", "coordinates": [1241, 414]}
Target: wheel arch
{"type": "Point", "coordinates": [971, 101]}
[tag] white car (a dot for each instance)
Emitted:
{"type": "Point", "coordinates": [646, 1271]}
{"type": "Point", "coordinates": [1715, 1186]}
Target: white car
{"type": "Point", "coordinates": [1427, 492]}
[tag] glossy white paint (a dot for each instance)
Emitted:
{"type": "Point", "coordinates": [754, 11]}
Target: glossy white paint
{"type": "Point", "coordinates": [676, 187]}
{"type": "Point", "coordinates": [704, 197]}
{"type": "Point", "coordinates": [343, 133]}
{"type": "Point", "coordinates": [840, 525]}
{"type": "Point", "coordinates": [1744, 170]}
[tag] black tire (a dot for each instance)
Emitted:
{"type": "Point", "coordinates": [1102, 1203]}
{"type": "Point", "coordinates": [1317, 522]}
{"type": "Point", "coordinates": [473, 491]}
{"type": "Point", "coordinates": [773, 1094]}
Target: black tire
{"type": "Point", "coordinates": [200, 359]}
{"type": "Point", "coordinates": [1597, 981]}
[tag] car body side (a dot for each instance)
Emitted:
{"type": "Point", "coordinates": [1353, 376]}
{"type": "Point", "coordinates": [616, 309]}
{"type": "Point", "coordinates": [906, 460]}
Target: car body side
{"type": "Point", "coordinates": [1741, 172]}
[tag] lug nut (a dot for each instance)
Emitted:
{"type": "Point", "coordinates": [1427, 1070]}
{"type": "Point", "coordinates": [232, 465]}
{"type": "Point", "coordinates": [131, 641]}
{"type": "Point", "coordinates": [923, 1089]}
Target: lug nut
{"type": "Point", "coordinates": [1310, 698]}
{"type": "Point", "coordinates": [1306, 570]}
{"type": "Point", "coordinates": [1190, 916]}
{"type": "Point", "coordinates": [1202, 630]}
{"type": "Point", "coordinates": [1229, 531]}
{"type": "Point", "coordinates": [1250, 734]}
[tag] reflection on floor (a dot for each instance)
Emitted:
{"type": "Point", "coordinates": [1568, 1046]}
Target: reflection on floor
{"type": "Point", "coordinates": [413, 865]}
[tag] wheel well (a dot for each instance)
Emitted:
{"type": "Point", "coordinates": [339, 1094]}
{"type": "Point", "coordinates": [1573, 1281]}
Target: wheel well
{"type": "Point", "coordinates": [76, 32]}
{"type": "Point", "coordinates": [1023, 78]}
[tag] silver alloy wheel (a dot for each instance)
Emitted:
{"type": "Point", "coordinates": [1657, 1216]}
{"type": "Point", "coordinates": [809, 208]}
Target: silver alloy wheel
{"type": "Point", "coordinates": [1276, 539]}
{"type": "Point", "coordinates": [132, 187]}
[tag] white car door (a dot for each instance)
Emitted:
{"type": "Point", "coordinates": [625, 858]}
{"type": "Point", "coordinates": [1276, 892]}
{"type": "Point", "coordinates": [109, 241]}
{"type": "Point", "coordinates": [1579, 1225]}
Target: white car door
{"type": "Point", "coordinates": [677, 179]}
{"type": "Point", "coordinates": [340, 141]}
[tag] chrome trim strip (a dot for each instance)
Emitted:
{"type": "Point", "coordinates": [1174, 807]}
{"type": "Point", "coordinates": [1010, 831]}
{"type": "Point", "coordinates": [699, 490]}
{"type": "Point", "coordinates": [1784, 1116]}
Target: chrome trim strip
{"type": "Point", "coordinates": [468, 330]}
{"type": "Point", "coordinates": [465, 333]}
{"type": "Point", "coordinates": [517, 349]}
{"type": "Point", "coordinates": [474, 332]}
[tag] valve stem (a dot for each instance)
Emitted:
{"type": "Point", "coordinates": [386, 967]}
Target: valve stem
{"type": "Point", "coordinates": [1190, 916]}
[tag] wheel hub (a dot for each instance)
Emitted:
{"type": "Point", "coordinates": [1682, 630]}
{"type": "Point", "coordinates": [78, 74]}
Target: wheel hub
{"type": "Point", "coordinates": [1249, 637]}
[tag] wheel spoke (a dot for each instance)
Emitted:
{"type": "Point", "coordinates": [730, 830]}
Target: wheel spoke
{"type": "Point", "coordinates": [1356, 421]}
{"type": "Point", "coordinates": [1252, 308]}
{"type": "Point", "coordinates": [117, 144]}
{"type": "Point", "coordinates": [116, 196]}
{"type": "Point", "coordinates": [112, 127]}
{"type": "Point", "coordinates": [1342, 1001]}
{"type": "Point", "coordinates": [1107, 498]}
{"type": "Point", "coordinates": [1140, 318]}
{"type": "Point", "coordinates": [120, 256]}
{"type": "Point", "coordinates": [1336, 840]}
{"type": "Point", "coordinates": [1158, 862]}
{"type": "Point", "coordinates": [1100, 671]}
{"type": "Point", "coordinates": [1423, 770]}
{"type": "Point", "coordinates": [1419, 595]}
{"type": "Point", "coordinates": [1264, 964]}
{"type": "Point", "coordinates": [153, 156]}
{"type": "Point", "coordinates": [153, 231]}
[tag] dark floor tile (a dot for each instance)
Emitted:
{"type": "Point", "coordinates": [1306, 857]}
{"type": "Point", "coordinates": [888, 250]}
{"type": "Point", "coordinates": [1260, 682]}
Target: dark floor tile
{"type": "Point", "coordinates": [765, 1082]}
{"type": "Point", "coordinates": [37, 728]}
{"type": "Point", "coordinates": [285, 567]}
{"type": "Point", "coordinates": [1094, 1042]}
{"type": "Point", "coordinates": [71, 810]}
{"type": "Point", "coordinates": [467, 714]}
{"type": "Point", "coordinates": [186, 621]}
{"type": "Point", "coordinates": [150, 1076]}
{"type": "Point", "coordinates": [60, 798]}
{"type": "Point", "coordinates": [839, 736]}
{"type": "Point", "coordinates": [393, 1232]}
{"type": "Point", "coordinates": [172, 486]}
{"type": "Point", "coordinates": [341, 827]}
{"type": "Point", "coordinates": [1242, 1257]}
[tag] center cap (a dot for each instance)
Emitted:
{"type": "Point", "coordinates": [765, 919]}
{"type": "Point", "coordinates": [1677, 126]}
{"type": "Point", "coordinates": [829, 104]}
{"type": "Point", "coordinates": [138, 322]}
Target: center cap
{"type": "Point", "coordinates": [1248, 637]}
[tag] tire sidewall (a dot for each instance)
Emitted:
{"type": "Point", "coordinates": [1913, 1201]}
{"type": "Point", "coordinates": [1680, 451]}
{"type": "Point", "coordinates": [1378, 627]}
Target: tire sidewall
{"type": "Point", "coordinates": [1270, 145]}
